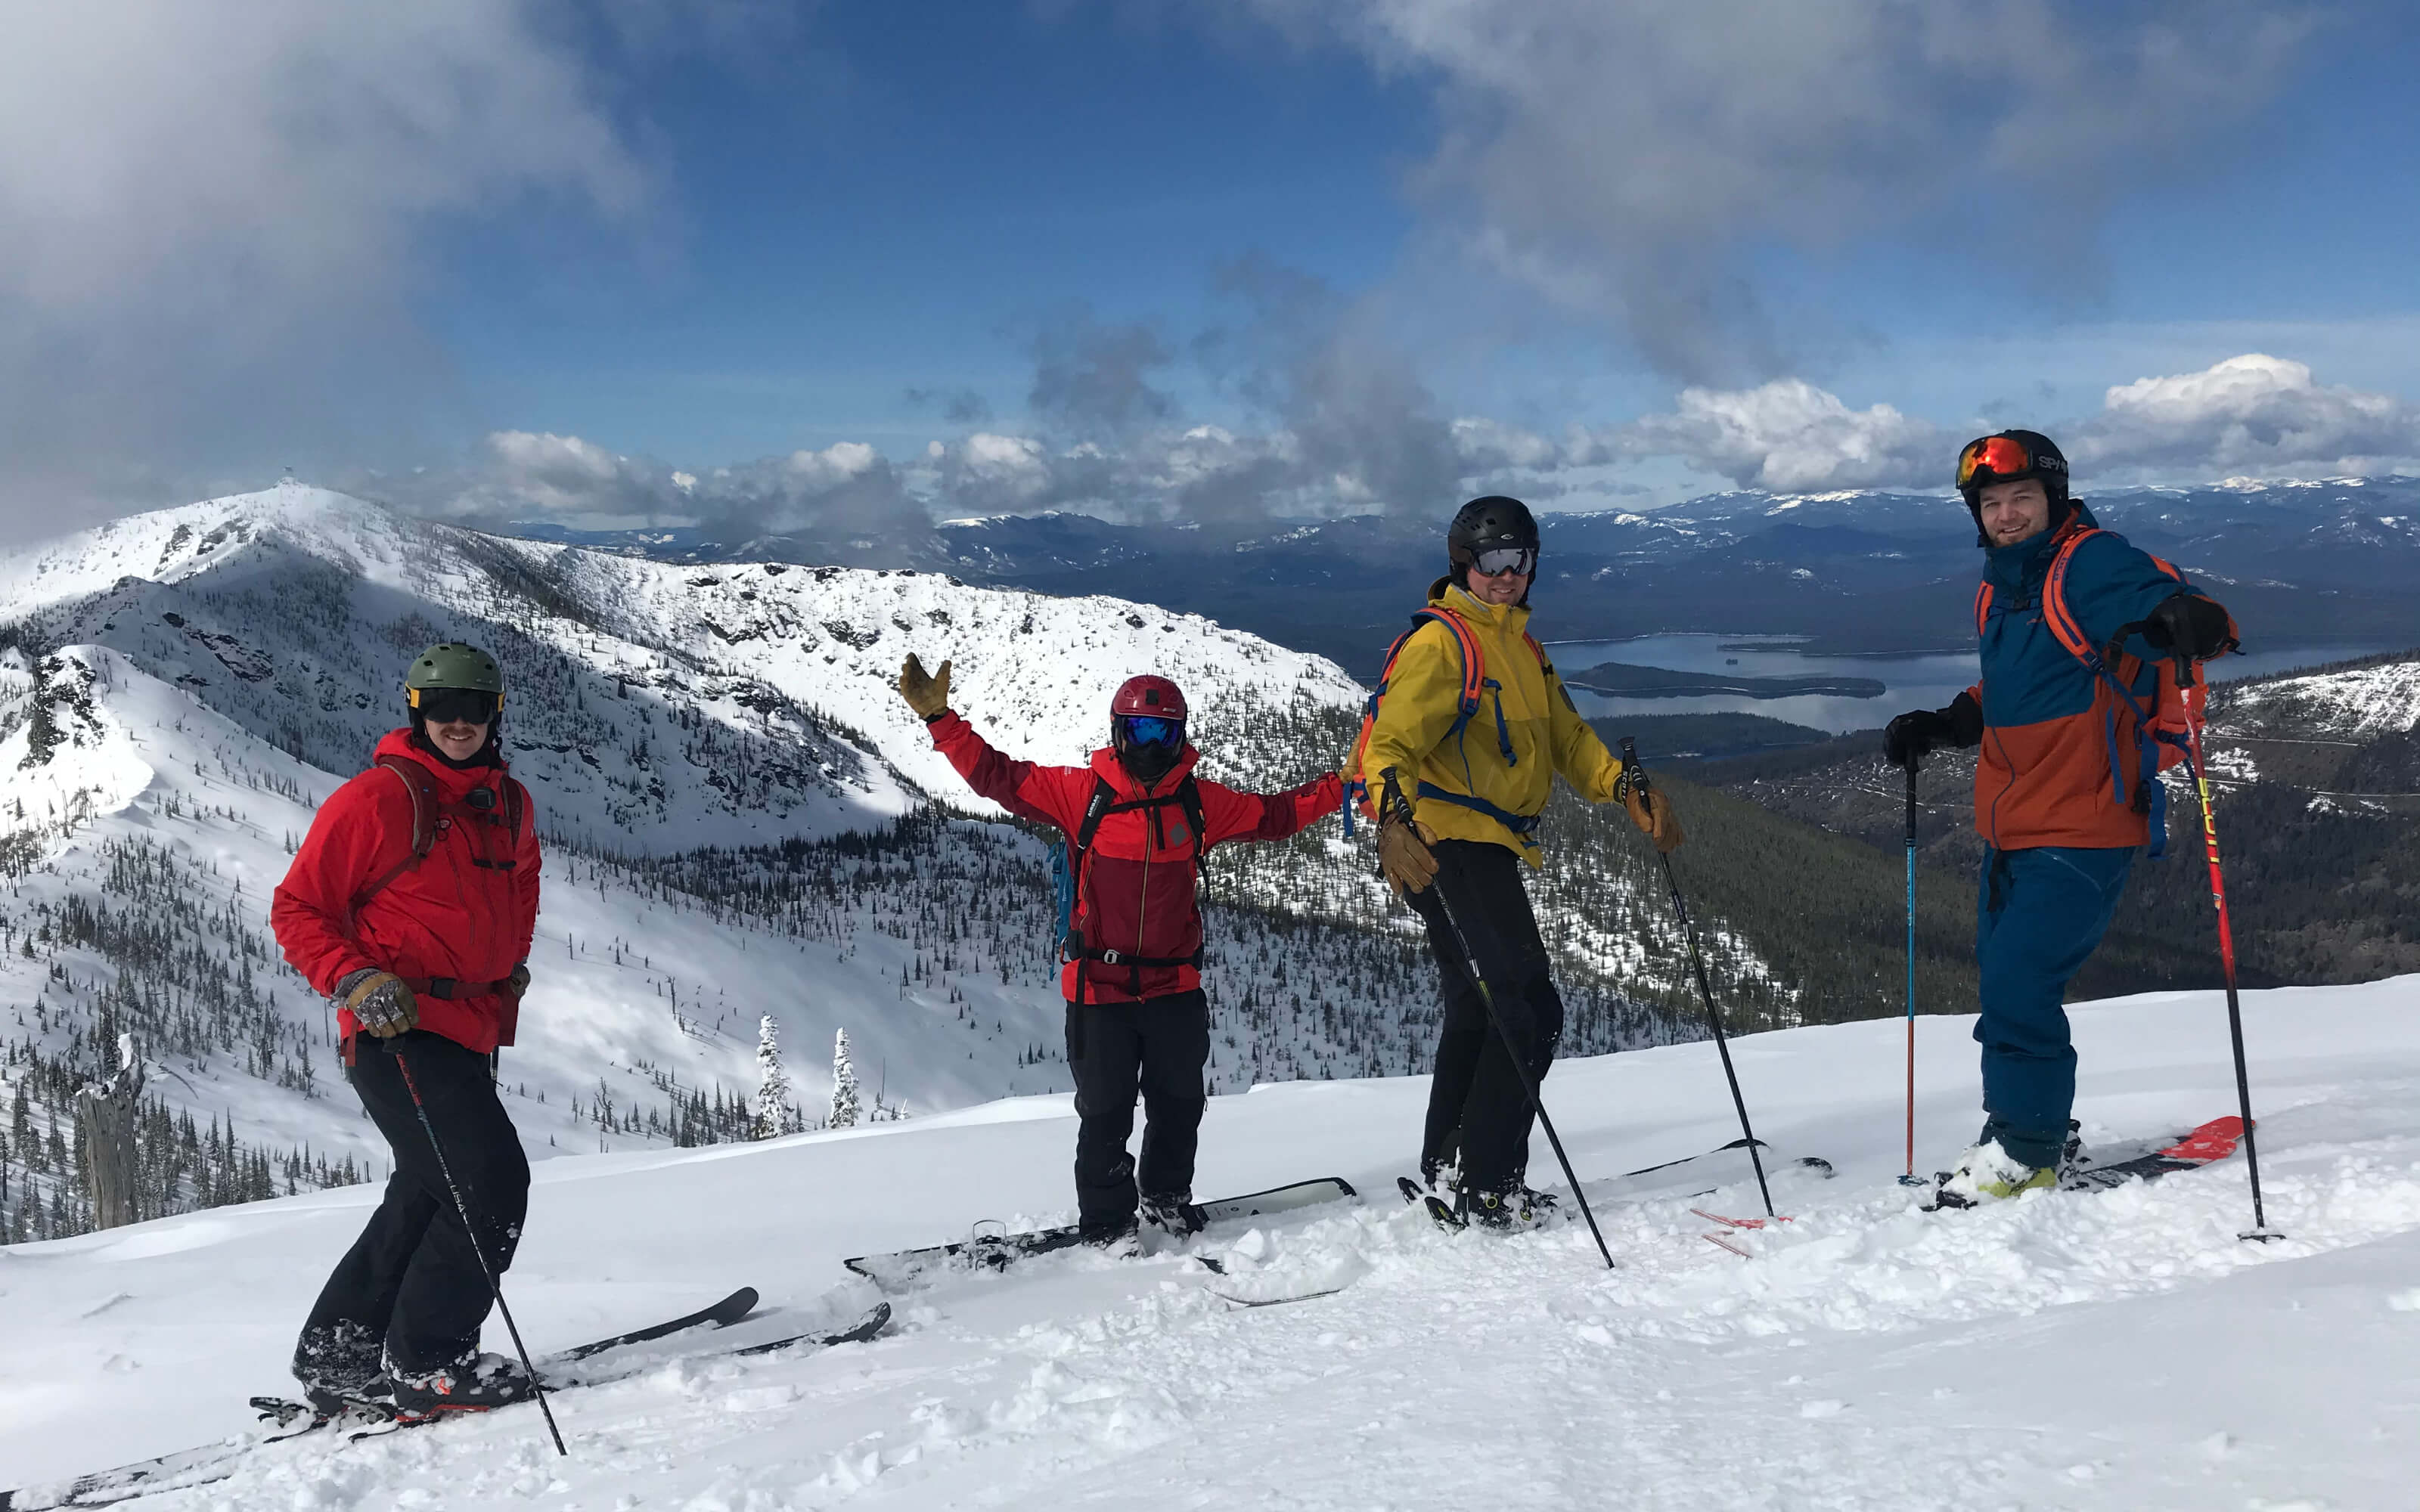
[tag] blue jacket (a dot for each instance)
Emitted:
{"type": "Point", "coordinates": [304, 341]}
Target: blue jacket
{"type": "Point", "coordinates": [2060, 750]}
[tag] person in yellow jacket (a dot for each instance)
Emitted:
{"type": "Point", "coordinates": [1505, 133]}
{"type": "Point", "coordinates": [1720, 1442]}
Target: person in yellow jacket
{"type": "Point", "coordinates": [1458, 801]}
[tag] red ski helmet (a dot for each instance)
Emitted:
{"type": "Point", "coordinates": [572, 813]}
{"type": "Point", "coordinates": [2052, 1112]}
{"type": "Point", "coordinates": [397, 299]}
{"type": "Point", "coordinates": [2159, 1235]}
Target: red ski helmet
{"type": "Point", "coordinates": [1149, 695]}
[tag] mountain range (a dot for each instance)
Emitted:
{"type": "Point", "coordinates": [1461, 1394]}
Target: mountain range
{"type": "Point", "coordinates": [2325, 563]}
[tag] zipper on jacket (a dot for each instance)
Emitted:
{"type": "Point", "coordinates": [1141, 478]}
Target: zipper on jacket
{"type": "Point", "coordinates": [1142, 903]}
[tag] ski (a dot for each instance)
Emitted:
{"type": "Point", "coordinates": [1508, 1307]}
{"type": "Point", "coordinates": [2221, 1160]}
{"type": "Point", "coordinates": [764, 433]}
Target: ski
{"type": "Point", "coordinates": [2211, 1142]}
{"type": "Point", "coordinates": [986, 1251]}
{"type": "Point", "coordinates": [1233, 1300]}
{"type": "Point", "coordinates": [2202, 1146]}
{"type": "Point", "coordinates": [186, 1467]}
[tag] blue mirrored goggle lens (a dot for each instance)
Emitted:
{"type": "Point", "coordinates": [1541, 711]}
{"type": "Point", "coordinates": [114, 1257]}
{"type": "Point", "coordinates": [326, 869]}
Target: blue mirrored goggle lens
{"type": "Point", "coordinates": [1145, 731]}
{"type": "Point", "coordinates": [1500, 559]}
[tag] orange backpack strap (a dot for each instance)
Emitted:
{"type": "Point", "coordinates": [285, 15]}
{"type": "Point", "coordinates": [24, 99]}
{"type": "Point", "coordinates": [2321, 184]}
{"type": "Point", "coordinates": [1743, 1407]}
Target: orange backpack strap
{"type": "Point", "coordinates": [1474, 676]}
{"type": "Point", "coordinates": [2054, 612]}
{"type": "Point", "coordinates": [1982, 606]}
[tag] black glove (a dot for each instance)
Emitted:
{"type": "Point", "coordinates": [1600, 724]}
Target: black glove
{"type": "Point", "coordinates": [1916, 733]}
{"type": "Point", "coordinates": [2189, 623]}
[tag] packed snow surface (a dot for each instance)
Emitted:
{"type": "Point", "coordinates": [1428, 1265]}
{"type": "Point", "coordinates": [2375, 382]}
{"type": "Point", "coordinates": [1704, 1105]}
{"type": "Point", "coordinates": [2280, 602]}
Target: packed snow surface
{"type": "Point", "coordinates": [2105, 1351]}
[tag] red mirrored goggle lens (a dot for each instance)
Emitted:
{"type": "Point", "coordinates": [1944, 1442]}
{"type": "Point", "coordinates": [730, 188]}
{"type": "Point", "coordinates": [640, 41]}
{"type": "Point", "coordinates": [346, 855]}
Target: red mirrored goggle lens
{"type": "Point", "coordinates": [2000, 456]}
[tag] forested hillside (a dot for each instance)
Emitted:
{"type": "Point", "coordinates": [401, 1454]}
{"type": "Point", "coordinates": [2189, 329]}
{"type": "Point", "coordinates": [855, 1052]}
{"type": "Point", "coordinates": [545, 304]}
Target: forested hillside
{"type": "Point", "coordinates": [2317, 778]}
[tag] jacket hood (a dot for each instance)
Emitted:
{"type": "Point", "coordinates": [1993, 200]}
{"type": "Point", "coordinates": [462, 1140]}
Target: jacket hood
{"type": "Point", "coordinates": [1106, 767]}
{"type": "Point", "coordinates": [454, 782]}
{"type": "Point", "coordinates": [1443, 594]}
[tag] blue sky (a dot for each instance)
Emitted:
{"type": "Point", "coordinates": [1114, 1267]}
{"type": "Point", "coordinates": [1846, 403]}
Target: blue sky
{"type": "Point", "coordinates": [509, 256]}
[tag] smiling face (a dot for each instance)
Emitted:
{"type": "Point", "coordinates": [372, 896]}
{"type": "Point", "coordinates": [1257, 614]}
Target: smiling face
{"type": "Point", "coordinates": [458, 740]}
{"type": "Point", "coordinates": [2013, 512]}
{"type": "Point", "coordinates": [1504, 588]}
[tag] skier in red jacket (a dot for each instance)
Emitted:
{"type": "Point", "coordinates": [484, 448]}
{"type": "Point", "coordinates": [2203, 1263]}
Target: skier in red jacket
{"type": "Point", "coordinates": [1138, 821]}
{"type": "Point", "coordinates": [411, 903]}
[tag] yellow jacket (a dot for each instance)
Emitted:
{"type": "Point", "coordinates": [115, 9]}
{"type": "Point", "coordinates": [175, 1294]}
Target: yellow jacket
{"type": "Point", "coordinates": [1547, 732]}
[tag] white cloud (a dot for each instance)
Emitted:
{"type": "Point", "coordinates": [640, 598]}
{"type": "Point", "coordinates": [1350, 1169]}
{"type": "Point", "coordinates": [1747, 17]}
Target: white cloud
{"type": "Point", "coordinates": [1636, 161]}
{"type": "Point", "coordinates": [1788, 436]}
{"type": "Point", "coordinates": [2253, 415]}
{"type": "Point", "coordinates": [212, 216]}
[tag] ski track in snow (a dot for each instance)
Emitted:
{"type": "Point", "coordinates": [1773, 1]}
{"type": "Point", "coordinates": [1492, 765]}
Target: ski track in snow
{"type": "Point", "coordinates": [2118, 1350]}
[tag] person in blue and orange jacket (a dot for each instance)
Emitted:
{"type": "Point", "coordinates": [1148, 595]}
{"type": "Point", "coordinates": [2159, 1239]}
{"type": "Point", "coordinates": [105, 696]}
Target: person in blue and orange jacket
{"type": "Point", "coordinates": [1138, 821]}
{"type": "Point", "coordinates": [2065, 789]}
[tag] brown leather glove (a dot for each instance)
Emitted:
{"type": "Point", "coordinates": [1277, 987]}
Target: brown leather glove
{"type": "Point", "coordinates": [1651, 811]}
{"type": "Point", "coordinates": [1404, 853]}
{"type": "Point", "coordinates": [382, 1002]}
{"type": "Point", "coordinates": [929, 696]}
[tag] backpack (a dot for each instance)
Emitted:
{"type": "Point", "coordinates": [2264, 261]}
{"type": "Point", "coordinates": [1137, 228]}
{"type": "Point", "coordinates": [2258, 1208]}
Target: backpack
{"type": "Point", "coordinates": [430, 820]}
{"type": "Point", "coordinates": [1067, 871]}
{"type": "Point", "coordinates": [2163, 730]}
{"type": "Point", "coordinates": [1474, 681]}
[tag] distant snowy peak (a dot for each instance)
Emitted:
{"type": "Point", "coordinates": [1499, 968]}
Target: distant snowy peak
{"type": "Point", "coordinates": [653, 707]}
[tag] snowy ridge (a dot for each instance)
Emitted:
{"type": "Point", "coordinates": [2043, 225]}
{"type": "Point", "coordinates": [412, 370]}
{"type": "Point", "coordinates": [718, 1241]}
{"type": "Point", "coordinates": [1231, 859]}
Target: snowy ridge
{"type": "Point", "coordinates": [2096, 1352]}
{"type": "Point", "coordinates": [2356, 703]}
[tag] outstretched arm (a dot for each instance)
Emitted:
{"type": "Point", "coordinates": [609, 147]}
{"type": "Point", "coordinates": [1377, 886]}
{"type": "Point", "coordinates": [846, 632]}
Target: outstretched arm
{"type": "Point", "coordinates": [1227, 814]}
{"type": "Point", "coordinates": [1046, 794]}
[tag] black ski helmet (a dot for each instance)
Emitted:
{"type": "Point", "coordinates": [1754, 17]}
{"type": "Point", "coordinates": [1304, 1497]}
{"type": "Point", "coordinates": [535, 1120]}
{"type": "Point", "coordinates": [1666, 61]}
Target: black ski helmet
{"type": "Point", "coordinates": [1495, 521]}
{"type": "Point", "coordinates": [2039, 458]}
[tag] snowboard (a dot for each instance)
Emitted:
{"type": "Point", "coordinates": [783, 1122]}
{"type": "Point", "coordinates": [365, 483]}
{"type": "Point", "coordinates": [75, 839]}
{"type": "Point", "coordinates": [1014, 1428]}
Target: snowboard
{"type": "Point", "coordinates": [904, 1269]}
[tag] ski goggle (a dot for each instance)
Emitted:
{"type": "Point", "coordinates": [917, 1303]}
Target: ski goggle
{"type": "Point", "coordinates": [2002, 456]}
{"type": "Point", "coordinates": [452, 705]}
{"type": "Point", "coordinates": [1497, 560]}
{"type": "Point", "coordinates": [1147, 730]}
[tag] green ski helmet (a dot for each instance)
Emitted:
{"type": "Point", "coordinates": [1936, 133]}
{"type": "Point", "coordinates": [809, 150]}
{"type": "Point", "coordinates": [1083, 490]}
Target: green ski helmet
{"type": "Point", "coordinates": [451, 665]}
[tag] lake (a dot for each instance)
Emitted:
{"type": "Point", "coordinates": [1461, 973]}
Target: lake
{"type": "Point", "coordinates": [1910, 681]}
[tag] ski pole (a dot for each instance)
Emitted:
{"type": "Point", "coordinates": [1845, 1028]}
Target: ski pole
{"type": "Point", "coordinates": [1705, 989]}
{"type": "Point", "coordinates": [495, 1290]}
{"type": "Point", "coordinates": [1909, 1180]}
{"type": "Point", "coordinates": [1512, 1053]}
{"type": "Point", "coordinates": [2260, 1231]}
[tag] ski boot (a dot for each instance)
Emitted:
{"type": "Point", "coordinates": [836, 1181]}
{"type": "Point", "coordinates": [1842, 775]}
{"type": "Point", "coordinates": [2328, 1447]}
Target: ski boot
{"type": "Point", "coordinates": [1173, 1213]}
{"type": "Point", "coordinates": [342, 1371]}
{"type": "Point", "coordinates": [474, 1384]}
{"type": "Point", "coordinates": [1510, 1210]}
{"type": "Point", "coordinates": [1988, 1173]}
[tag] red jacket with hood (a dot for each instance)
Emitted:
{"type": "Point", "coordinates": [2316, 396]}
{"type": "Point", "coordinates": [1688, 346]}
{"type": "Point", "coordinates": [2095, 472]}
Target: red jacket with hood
{"type": "Point", "coordinates": [466, 912]}
{"type": "Point", "coordinates": [1136, 895]}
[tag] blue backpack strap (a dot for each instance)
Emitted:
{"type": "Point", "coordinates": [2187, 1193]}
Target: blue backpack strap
{"type": "Point", "coordinates": [1520, 824]}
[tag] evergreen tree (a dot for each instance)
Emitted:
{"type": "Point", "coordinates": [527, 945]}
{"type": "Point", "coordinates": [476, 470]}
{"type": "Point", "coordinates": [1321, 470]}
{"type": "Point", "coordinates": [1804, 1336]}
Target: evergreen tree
{"type": "Point", "coordinates": [843, 1099]}
{"type": "Point", "coordinates": [772, 1113]}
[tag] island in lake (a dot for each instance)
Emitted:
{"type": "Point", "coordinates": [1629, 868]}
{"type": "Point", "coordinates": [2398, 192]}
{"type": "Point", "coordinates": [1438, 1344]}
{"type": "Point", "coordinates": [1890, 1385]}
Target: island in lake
{"type": "Point", "coordinates": [1620, 679]}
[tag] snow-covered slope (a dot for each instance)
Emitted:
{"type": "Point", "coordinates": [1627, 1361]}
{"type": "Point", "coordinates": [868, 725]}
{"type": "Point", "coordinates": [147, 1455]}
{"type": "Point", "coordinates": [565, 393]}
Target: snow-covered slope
{"type": "Point", "coordinates": [2357, 703]}
{"type": "Point", "coordinates": [2121, 1351]}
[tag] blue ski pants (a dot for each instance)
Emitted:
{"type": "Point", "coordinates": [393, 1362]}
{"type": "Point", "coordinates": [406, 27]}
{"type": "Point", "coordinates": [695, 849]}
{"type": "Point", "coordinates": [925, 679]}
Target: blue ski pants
{"type": "Point", "coordinates": [2040, 915]}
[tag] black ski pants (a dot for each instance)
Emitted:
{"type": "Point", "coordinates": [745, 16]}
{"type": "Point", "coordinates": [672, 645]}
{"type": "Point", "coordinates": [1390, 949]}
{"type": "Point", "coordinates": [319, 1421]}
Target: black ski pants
{"type": "Point", "coordinates": [1159, 1047]}
{"type": "Point", "coordinates": [1479, 1116]}
{"type": "Point", "coordinates": [411, 1280]}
